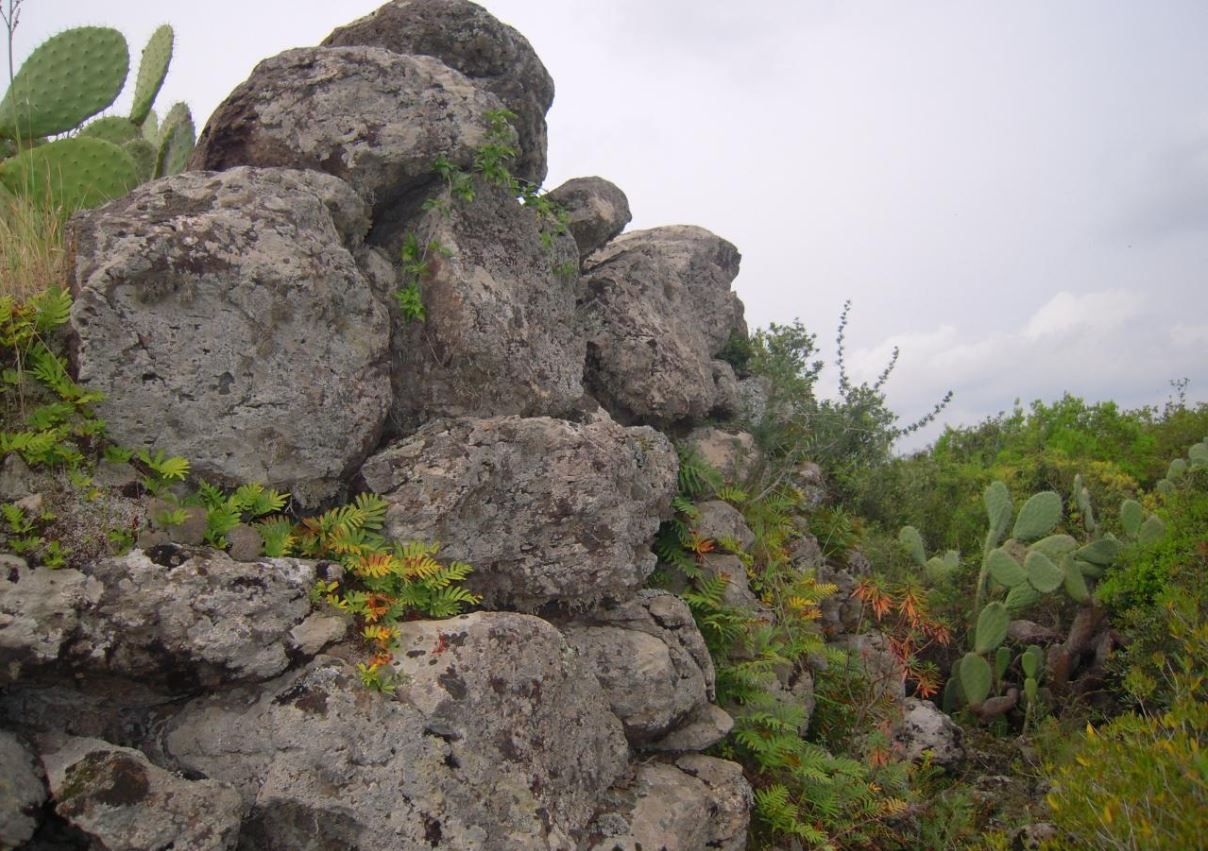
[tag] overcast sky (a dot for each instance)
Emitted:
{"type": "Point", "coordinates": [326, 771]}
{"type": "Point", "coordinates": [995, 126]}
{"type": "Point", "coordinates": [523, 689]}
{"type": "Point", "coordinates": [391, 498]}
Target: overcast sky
{"type": "Point", "coordinates": [1015, 193]}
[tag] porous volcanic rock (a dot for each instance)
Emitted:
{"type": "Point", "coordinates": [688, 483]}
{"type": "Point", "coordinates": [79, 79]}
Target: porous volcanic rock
{"type": "Point", "coordinates": [927, 733]}
{"type": "Point", "coordinates": [22, 791]}
{"type": "Point", "coordinates": [225, 320]}
{"type": "Point", "coordinates": [124, 803]}
{"type": "Point", "coordinates": [656, 311]}
{"type": "Point", "coordinates": [498, 336]}
{"type": "Point", "coordinates": [651, 660]}
{"type": "Point", "coordinates": [184, 621]}
{"type": "Point", "coordinates": [545, 510]}
{"type": "Point", "coordinates": [373, 118]}
{"type": "Point", "coordinates": [597, 211]}
{"type": "Point", "coordinates": [466, 37]}
{"type": "Point", "coordinates": [692, 803]}
{"type": "Point", "coordinates": [39, 612]}
{"type": "Point", "coordinates": [498, 737]}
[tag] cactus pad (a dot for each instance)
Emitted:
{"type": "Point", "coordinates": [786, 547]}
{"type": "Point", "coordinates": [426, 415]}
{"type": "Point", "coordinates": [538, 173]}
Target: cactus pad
{"type": "Point", "coordinates": [1075, 581]}
{"type": "Point", "coordinates": [67, 79]}
{"type": "Point", "coordinates": [1031, 661]}
{"type": "Point", "coordinates": [152, 69]}
{"type": "Point", "coordinates": [177, 138]}
{"type": "Point", "coordinates": [143, 154]}
{"type": "Point", "coordinates": [78, 172]}
{"type": "Point", "coordinates": [910, 538]}
{"type": "Point", "coordinates": [1151, 530]}
{"type": "Point", "coordinates": [991, 627]}
{"type": "Point", "coordinates": [1132, 515]}
{"type": "Point", "coordinates": [1043, 575]}
{"type": "Point", "coordinates": [1005, 570]}
{"type": "Point", "coordinates": [1021, 596]}
{"type": "Point", "coordinates": [1038, 516]}
{"type": "Point", "coordinates": [998, 510]}
{"type": "Point", "coordinates": [976, 678]}
{"type": "Point", "coordinates": [113, 129]}
{"type": "Point", "coordinates": [1101, 552]}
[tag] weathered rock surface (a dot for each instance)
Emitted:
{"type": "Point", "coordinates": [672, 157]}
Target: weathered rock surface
{"type": "Point", "coordinates": [720, 521]}
{"type": "Point", "coordinates": [597, 209]}
{"type": "Point", "coordinates": [375, 119]}
{"type": "Point", "coordinates": [705, 727]}
{"type": "Point", "coordinates": [732, 453]}
{"type": "Point", "coordinates": [650, 659]}
{"type": "Point", "coordinates": [499, 330]}
{"type": "Point", "coordinates": [466, 37]}
{"type": "Point", "coordinates": [124, 803]}
{"type": "Point", "coordinates": [869, 653]}
{"type": "Point", "coordinates": [924, 729]}
{"type": "Point", "coordinates": [188, 620]}
{"type": "Point", "coordinates": [738, 590]}
{"type": "Point", "coordinates": [39, 612]}
{"type": "Point", "coordinates": [22, 791]}
{"type": "Point", "coordinates": [225, 320]}
{"type": "Point", "coordinates": [696, 802]}
{"type": "Point", "coordinates": [545, 510]}
{"type": "Point", "coordinates": [657, 310]}
{"type": "Point", "coordinates": [498, 738]}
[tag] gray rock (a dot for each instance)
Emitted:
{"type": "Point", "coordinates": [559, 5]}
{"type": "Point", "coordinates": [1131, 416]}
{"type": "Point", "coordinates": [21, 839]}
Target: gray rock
{"type": "Point", "coordinates": [657, 310]}
{"type": "Point", "coordinates": [1030, 632]}
{"type": "Point", "coordinates": [842, 612]}
{"type": "Point", "coordinates": [17, 480]}
{"type": "Point", "coordinates": [924, 730]}
{"type": "Point", "coordinates": [318, 631]}
{"type": "Point", "coordinates": [696, 802]}
{"type": "Point", "coordinates": [870, 656]}
{"type": "Point", "coordinates": [39, 612]}
{"type": "Point", "coordinates": [373, 118]}
{"type": "Point", "coordinates": [721, 521]}
{"type": "Point", "coordinates": [499, 333]}
{"type": "Point", "coordinates": [704, 728]}
{"type": "Point", "coordinates": [466, 37]}
{"type": "Point", "coordinates": [544, 510]}
{"type": "Point", "coordinates": [754, 393]}
{"type": "Point", "coordinates": [598, 211]}
{"type": "Point", "coordinates": [115, 709]}
{"type": "Point", "coordinates": [651, 660]}
{"type": "Point", "coordinates": [732, 453]}
{"type": "Point", "coordinates": [497, 738]}
{"type": "Point", "coordinates": [738, 591]}
{"type": "Point", "coordinates": [246, 543]}
{"type": "Point", "coordinates": [22, 791]}
{"type": "Point", "coordinates": [199, 620]}
{"type": "Point", "coordinates": [124, 803]}
{"type": "Point", "coordinates": [225, 321]}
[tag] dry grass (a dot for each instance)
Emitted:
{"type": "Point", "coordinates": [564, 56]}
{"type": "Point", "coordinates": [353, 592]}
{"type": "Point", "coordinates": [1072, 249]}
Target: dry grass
{"type": "Point", "coordinates": [32, 252]}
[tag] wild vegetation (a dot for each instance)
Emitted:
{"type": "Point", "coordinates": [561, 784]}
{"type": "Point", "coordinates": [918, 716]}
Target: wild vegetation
{"type": "Point", "coordinates": [1084, 519]}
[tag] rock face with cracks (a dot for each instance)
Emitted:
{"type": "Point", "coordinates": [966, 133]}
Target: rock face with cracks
{"type": "Point", "coordinates": [225, 320]}
{"type": "Point", "coordinates": [547, 511]}
{"type": "Point", "coordinates": [375, 119]}
{"type": "Point", "coordinates": [498, 738]}
{"type": "Point", "coordinates": [656, 311]}
{"type": "Point", "coordinates": [120, 800]}
{"type": "Point", "coordinates": [498, 336]}
{"type": "Point", "coordinates": [466, 37]}
{"type": "Point", "coordinates": [651, 660]}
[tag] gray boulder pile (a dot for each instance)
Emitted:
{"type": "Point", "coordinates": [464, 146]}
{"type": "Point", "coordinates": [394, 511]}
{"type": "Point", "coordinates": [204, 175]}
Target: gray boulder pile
{"type": "Point", "coordinates": [516, 406]}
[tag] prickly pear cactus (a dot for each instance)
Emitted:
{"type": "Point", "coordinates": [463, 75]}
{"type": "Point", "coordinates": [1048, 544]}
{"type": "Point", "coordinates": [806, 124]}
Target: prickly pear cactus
{"type": "Point", "coordinates": [66, 80]}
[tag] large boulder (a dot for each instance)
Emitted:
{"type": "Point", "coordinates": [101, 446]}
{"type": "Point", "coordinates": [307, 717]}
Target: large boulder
{"type": "Point", "coordinates": [184, 621]}
{"type": "Point", "coordinates": [466, 37]}
{"type": "Point", "coordinates": [596, 211]}
{"type": "Point", "coordinates": [656, 312]}
{"type": "Point", "coordinates": [225, 320]}
{"type": "Point", "coordinates": [546, 510]}
{"type": "Point", "coordinates": [121, 801]}
{"type": "Point", "coordinates": [373, 118]}
{"type": "Point", "coordinates": [22, 791]}
{"type": "Point", "coordinates": [498, 335]}
{"type": "Point", "coordinates": [498, 737]}
{"type": "Point", "coordinates": [692, 803]}
{"type": "Point", "coordinates": [651, 660]}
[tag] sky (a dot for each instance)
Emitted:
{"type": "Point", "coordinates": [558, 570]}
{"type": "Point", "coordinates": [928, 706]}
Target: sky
{"type": "Point", "coordinates": [1014, 194]}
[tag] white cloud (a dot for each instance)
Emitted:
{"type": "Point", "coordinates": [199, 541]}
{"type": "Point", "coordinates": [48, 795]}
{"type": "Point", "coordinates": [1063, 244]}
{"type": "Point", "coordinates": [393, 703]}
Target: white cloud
{"type": "Point", "coordinates": [1066, 313]}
